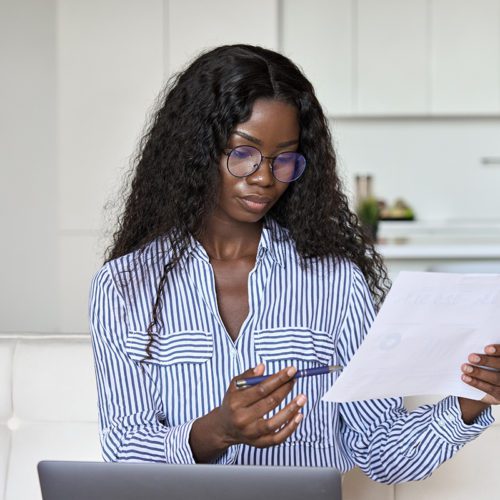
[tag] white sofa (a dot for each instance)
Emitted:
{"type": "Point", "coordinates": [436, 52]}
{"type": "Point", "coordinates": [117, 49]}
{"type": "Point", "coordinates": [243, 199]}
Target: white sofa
{"type": "Point", "coordinates": [48, 411]}
{"type": "Point", "coordinates": [47, 408]}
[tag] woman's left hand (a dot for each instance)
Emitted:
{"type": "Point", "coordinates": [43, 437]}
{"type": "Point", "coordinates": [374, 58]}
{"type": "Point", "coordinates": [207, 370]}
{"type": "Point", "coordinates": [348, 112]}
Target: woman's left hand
{"type": "Point", "coordinates": [483, 379]}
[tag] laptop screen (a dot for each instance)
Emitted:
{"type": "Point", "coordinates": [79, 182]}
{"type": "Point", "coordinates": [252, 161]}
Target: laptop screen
{"type": "Point", "coordinates": [133, 481]}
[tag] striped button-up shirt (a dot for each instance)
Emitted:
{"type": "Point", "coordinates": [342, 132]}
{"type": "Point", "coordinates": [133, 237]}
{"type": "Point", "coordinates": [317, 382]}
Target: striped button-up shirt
{"type": "Point", "coordinates": [301, 316]}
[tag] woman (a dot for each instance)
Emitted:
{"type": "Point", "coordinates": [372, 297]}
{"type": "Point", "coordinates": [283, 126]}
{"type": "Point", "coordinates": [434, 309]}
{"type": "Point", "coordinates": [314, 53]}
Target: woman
{"type": "Point", "coordinates": [237, 255]}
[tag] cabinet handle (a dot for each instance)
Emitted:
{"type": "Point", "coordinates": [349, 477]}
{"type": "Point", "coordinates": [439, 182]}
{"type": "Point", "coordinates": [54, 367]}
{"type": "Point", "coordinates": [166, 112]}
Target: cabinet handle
{"type": "Point", "coordinates": [490, 160]}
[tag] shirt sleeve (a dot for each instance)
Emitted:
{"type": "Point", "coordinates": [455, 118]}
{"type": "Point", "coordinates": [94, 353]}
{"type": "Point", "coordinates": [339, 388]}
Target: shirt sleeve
{"type": "Point", "coordinates": [133, 426]}
{"type": "Point", "coordinates": [386, 441]}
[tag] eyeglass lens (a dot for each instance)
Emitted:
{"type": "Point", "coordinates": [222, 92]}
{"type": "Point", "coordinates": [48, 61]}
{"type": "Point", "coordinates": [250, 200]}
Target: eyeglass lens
{"type": "Point", "coordinates": [286, 167]}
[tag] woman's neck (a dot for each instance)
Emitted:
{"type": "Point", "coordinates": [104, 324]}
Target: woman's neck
{"type": "Point", "coordinates": [230, 240]}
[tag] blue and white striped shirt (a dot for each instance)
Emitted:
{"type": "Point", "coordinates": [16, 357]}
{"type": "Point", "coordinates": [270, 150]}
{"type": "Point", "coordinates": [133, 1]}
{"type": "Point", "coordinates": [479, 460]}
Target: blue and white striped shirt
{"type": "Point", "coordinates": [301, 316]}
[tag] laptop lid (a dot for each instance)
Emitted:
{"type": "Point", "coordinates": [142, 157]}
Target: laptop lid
{"type": "Point", "coordinates": [133, 481]}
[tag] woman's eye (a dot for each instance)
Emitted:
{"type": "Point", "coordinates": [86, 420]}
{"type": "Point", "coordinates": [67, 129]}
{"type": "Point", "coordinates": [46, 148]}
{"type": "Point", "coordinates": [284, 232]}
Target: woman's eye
{"type": "Point", "coordinates": [285, 158]}
{"type": "Point", "coordinates": [240, 154]}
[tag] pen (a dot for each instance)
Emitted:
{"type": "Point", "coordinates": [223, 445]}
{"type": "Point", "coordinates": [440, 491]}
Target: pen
{"type": "Point", "coordinates": [308, 372]}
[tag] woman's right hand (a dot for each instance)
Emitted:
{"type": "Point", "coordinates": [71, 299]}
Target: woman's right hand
{"type": "Point", "coordinates": [243, 410]}
{"type": "Point", "coordinates": [241, 417]}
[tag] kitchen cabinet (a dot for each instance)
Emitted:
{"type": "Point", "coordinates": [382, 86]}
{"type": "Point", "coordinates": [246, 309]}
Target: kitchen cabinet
{"type": "Point", "coordinates": [397, 57]}
{"type": "Point", "coordinates": [325, 28]}
{"type": "Point", "coordinates": [392, 70]}
{"type": "Point", "coordinates": [465, 57]}
{"type": "Point", "coordinates": [192, 26]}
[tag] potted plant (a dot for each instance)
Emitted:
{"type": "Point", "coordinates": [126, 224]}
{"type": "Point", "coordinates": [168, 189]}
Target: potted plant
{"type": "Point", "coordinates": [368, 213]}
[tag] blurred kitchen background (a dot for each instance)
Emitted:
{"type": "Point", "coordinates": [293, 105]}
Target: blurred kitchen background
{"type": "Point", "coordinates": [412, 89]}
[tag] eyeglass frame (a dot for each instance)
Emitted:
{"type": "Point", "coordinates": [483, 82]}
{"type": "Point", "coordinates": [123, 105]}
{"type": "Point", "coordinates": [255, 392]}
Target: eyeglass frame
{"type": "Point", "coordinates": [227, 152]}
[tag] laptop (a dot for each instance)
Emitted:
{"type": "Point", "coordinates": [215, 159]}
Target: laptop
{"type": "Point", "coordinates": [137, 481]}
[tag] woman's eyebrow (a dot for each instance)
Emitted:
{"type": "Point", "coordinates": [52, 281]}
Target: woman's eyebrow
{"type": "Point", "coordinates": [253, 139]}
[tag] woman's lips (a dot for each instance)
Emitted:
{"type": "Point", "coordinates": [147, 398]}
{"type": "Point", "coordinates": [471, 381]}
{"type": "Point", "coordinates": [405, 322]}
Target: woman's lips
{"type": "Point", "coordinates": [256, 204]}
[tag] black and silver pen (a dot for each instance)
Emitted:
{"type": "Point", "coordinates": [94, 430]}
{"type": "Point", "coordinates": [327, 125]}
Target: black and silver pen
{"type": "Point", "coordinates": [308, 372]}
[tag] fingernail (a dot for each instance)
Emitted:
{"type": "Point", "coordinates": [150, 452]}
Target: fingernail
{"type": "Point", "coordinates": [474, 358]}
{"type": "Point", "coordinates": [491, 350]}
{"type": "Point", "coordinates": [301, 400]}
{"type": "Point", "coordinates": [291, 371]}
{"type": "Point", "coordinates": [256, 369]}
{"type": "Point", "coordinates": [468, 369]}
{"type": "Point", "coordinates": [299, 418]}
{"type": "Point", "coordinates": [466, 378]}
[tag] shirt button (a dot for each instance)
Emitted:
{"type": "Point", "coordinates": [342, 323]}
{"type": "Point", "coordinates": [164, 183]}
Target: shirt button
{"type": "Point", "coordinates": [234, 354]}
{"type": "Point", "coordinates": [442, 423]}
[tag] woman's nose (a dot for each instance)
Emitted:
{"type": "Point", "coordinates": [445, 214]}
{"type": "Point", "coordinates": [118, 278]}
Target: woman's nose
{"type": "Point", "coordinates": [263, 175]}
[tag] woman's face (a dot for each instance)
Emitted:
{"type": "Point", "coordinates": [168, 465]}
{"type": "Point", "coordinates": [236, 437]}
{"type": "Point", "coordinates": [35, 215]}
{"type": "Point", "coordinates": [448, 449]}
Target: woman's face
{"type": "Point", "coordinates": [272, 128]}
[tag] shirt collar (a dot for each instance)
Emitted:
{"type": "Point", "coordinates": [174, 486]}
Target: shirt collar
{"type": "Point", "coordinates": [272, 241]}
{"type": "Point", "coordinates": [195, 249]}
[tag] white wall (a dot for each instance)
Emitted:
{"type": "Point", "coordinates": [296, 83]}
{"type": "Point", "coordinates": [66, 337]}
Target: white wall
{"type": "Point", "coordinates": [110, 69]}
{"type": "Point", "coordinates": [28, 174]}
{"type": "Point", "coordinates": [78, 79]}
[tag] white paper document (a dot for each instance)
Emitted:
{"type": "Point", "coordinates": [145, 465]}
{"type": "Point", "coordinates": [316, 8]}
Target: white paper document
{"type": "Point", "coordinates": [424, 332]}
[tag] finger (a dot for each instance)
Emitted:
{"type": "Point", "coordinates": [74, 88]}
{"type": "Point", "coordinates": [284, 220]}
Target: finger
{"type": "Point", "coordinates": [251, 414]}
{"type": "Point", "coordinates": [492, 349]}
{"type": "Point", "coordinates": [268, 386]}
{"type": "Point", "coordinates": [490, 389]}
{"type": "Point", "coordinates": [485, 360]}
{"type": "Point", "coordinates": [273, 400]}
{"type": "Point", "coordinates": [263, 406]}
{"type": "Point", "coordinates": [489, 376]}
{"type": "Point", "coordinates": [280, 436]}
{"type": "Point", "coordinates": [274, 423]}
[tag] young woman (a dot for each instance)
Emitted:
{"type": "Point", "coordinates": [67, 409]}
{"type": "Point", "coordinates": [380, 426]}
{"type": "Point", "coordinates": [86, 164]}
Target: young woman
{"type": "Point", "coordinates": [237, 255]}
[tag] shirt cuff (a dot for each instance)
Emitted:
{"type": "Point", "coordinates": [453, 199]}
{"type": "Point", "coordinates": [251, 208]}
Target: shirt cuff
{"type": "Point", "coordinates": [228, 457]}
{"type": "Point", "coordinates": [177, 448]}
{"type": "Point", "coordinates": [448, 424]}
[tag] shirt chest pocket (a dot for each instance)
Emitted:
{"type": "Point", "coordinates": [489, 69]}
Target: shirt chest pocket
{"type": "Point", "coordinates": [169, 348]}
{"type": "Point", "coordinates": [294, 343]}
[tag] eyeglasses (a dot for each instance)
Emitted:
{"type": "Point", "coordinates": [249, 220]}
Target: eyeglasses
{"type": "Point", "coordinates": [243, 161]}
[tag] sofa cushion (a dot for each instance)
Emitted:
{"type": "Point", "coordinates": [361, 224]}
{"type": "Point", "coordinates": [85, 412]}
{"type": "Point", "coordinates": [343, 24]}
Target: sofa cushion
{"type": "Point", "coordinates": [32, 442]}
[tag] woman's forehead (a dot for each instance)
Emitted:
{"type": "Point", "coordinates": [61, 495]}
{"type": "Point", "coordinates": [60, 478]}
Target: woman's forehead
{"type": "Point", "coordinates": [270, 121]}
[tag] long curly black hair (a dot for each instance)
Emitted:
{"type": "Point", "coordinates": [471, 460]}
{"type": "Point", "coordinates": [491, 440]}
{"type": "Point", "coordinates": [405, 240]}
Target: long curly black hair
{"type": "Point", "coordinates": [175, 175]}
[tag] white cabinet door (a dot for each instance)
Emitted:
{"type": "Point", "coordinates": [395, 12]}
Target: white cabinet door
{"type": "Point", "coordinates": [392, 63]}
{"type": "Point", "coordinates": [193, 25]}
{"type": "Point", "coordinates": [465, 48]}
{"type": "Point", "coordinates": [317, 35]}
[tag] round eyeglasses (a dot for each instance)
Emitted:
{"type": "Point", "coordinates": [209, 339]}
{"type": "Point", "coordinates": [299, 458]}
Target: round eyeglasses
{"type": "Point", "coordinates": [243, 161]}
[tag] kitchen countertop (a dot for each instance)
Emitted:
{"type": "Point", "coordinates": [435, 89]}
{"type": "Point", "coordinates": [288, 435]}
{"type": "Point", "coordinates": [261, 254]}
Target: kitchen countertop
{"type": "Point", "coordinates": [439, 251]}
{"type": "Point", "coordinates": [440, 240]}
